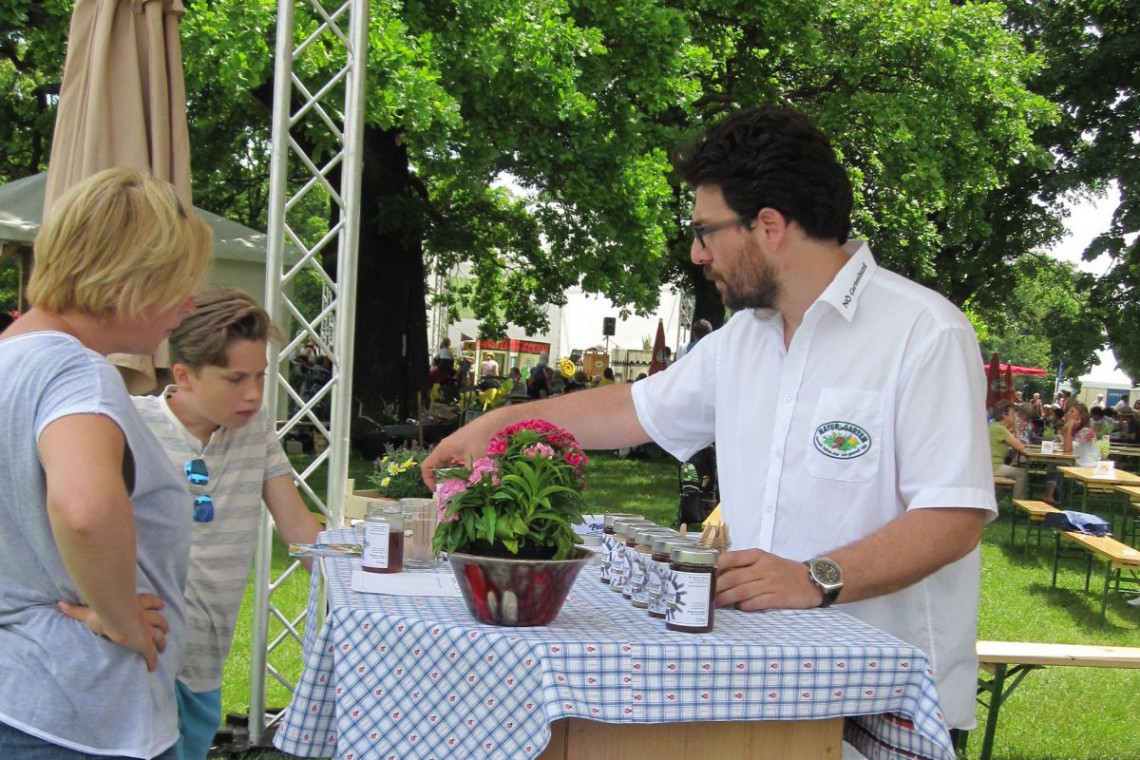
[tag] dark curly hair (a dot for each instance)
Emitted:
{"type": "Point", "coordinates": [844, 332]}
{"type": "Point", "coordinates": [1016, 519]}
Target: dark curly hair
{"type": "Point", "coordinates": [772, 157]}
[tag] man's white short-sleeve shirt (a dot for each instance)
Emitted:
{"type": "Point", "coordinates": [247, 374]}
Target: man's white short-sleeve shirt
{"type": "Point", "coordinates": [876, 407]}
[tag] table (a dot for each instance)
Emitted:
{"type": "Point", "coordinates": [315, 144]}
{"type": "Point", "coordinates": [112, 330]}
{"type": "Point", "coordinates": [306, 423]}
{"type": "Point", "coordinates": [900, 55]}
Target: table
{"type": "Point", "coordinates": [1130, 530]}
{"type": "Point", "coordinates": [410, 677]}
{"type": "Point", "coordinates": [1088, 477]}
{"type": "Point", "coordinates": [1033, 455]}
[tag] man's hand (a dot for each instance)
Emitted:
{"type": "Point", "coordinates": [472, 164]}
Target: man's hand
{"type": "Point", "coordinates": [753, 579]}
{"type": "Point", "coordinates": [148, 638]}
{"type": "Point", "coordinates": [460, 448]}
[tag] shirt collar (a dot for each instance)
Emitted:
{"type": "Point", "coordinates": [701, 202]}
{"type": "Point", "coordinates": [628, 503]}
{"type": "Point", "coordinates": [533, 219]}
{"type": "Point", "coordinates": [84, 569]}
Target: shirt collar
{"type": "Point", "coordinates": [844, 291]}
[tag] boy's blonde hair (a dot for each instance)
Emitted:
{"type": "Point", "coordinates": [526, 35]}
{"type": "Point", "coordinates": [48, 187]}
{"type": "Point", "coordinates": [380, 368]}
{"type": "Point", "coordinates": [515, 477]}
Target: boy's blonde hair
{"type": "Point", "coordinates": [223, 316]}
{"type": "Point", "coordinates": [119, 242]}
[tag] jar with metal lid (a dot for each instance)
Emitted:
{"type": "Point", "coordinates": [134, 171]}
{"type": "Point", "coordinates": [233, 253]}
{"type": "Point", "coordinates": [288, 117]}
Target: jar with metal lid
{"type": "Point", "coordinates": [383, 549]}
{"type": "Point", "coordinates": [619, 566]}
{"type": "Point", "coordinates": [608, 541]}
{"type": "Point", "coordinates": [660, 576]}
{"type": "Point", "coordinates": [633, 563]}
{"type": "Point", "coordinates": [694, 583]}
{"type": "Point", "coordinates": [640, 567]}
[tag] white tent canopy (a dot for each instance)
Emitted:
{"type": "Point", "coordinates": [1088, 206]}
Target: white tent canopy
{"type": "Point", "coordinates": [22, 207]}
{"type": "Point", "coordinates": [1105, 373]}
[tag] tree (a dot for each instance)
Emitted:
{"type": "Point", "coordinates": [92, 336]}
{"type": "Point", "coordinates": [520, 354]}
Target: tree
{"type": "Point", "coordinates": [1046, 320]}
{"type": "Point", "coordinates": [1091, 52]}
{"type": "Point", "coordinates": [579, 102]}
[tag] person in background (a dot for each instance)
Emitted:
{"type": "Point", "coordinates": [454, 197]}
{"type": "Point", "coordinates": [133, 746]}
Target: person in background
{"type": "Point", "coordinates": [211, 424]}
{"type": "Point", "coordinates": [1101, 424]}
{"type": "Point", "coordinates": [607, 377]}
{"type": "Point", "coordinates": [1004, 443]}
{"type": "Point", "coordinates": [539, 387]}
{"type": "Point", "coordinates": [700, 329]}
{"type": "Point", "coordinates": [88, 512]}
{"type": "Point", "coordinates": [1077, 437]}
{"type": "Point", "coordinates": [489, 368]}
{"type": "Point", "coordinates": [839, 486]}
{"type": "Point", "coordinates": [518, 387]}
{"type": "Point", "coordinates": [444, 362]}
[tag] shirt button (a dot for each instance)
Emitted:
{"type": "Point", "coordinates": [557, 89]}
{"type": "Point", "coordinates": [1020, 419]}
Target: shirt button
{"type": "Point", "coordinates": [788, 398]}
{"type": "Point", "coordinates": [779, 453]}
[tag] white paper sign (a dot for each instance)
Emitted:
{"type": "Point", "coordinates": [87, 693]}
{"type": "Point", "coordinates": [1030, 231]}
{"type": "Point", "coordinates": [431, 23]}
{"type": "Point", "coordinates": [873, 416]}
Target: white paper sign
{"type": "Point", "coordinates": [405, 584]}
{"type": "Point", "coordinates": [1105, 467]}
{"type": "Point", "coordinates": [1046, 447]}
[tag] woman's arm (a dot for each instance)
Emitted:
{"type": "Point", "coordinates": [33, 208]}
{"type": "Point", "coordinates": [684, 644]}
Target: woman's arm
{"type": "Point", "coordinates": [94, 528]}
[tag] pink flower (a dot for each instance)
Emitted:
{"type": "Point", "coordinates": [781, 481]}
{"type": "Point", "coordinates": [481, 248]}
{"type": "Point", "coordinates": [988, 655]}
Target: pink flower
{"type": "Point", "coordinates": [444, 517]}
{"type": "Point", "coordinates": [480, 467]}
{"type": "Point", "coordinates": [449, 488]}
{"type": "Point", "coordinates": [497, 446]}
{"type": "Point", "coordinates": [575, 458]}
{"type": "Point", "coordinates": [539, 450]}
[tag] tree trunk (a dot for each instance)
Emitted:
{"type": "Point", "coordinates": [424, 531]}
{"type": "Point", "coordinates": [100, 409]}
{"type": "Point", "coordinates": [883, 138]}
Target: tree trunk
{"type": "Point", "coordinates": [391, 357]}
{"type": "Point", "coordinates": [707, 303]}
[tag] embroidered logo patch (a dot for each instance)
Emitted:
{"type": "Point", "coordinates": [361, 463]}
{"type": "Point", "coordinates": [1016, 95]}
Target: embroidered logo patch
{"type": "Point", "coordinates": [842, 440]}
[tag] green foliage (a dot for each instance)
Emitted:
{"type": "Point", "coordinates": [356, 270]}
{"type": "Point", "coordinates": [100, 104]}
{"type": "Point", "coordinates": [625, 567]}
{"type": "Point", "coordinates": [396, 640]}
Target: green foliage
{"type": "Point", "coordinates": [526, 494]}
{"type": "Point", "coordinates": [397, 474]}
{"type": "Point", "coordinates": [9, 285]}
{"type": "Point", "coordinates": [1046, 319]}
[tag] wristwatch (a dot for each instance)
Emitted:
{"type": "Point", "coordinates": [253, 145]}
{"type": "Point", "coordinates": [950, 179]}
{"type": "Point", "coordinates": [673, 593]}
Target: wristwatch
{"type": "Point", "coordinates": [827, 576]}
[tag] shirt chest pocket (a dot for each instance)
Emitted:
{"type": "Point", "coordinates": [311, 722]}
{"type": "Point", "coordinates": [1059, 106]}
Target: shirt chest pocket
{"type": "Point", "coordinates": [845, 435]}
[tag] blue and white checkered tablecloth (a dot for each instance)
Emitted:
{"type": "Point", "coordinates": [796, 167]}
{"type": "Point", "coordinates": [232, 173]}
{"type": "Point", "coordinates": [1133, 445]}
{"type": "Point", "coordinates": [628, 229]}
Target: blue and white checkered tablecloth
{"type": "Point", "coordinates": [403, 677]}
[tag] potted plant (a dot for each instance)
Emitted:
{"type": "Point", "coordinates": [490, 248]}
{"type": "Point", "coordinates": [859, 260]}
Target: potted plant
{"type": "Point", "coordinates": [397, 475]}
{"type": "Point", "coordinates": [507, 524]}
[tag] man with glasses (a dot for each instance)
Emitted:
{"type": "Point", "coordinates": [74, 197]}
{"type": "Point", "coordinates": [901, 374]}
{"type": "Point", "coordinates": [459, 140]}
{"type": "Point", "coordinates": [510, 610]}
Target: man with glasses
{"type": "Point", "coordinates": [840, 480]}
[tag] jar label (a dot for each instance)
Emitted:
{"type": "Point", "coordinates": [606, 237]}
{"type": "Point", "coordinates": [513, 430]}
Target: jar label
{"type": "Point", "coordinates": [637, 579]}
{"type": "Point", "coordinates": [692, 603]}
{"type": "Point", "coordinates": [618, 569]}
{"type": "Point", "coordinates": [658, 572]}
{"type": "Point", "coordinates": [607, 555]}
{"type": "Point", "coordinates": [374, 552]}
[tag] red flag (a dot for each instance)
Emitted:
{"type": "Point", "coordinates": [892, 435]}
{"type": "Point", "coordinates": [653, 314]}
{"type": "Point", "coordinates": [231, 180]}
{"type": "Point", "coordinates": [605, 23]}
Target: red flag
{"type": "Point", "coordinates": [659, 360]}
{"type": "Point", "coordinates": [993, 381]}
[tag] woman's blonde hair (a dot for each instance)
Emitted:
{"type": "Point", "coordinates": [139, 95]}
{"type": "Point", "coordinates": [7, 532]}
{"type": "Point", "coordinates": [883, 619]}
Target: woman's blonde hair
{"type": "Point", "coordinates": [119, 242]}
{"type": "Point", "coordinates": [223, 316]}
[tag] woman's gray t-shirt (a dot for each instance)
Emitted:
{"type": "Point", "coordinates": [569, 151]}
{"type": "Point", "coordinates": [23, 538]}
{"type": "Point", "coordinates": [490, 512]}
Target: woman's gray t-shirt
{"type": "Point", "coordinates": [58, 681]}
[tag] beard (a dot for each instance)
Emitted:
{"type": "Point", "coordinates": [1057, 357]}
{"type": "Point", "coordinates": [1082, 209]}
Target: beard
{"type": "Point", "coordinates": [755, 286]}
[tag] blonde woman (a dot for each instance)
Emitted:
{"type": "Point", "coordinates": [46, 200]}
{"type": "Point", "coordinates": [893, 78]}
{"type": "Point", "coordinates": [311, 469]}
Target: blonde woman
{"type": "Point", "coordinates": [88, 509]}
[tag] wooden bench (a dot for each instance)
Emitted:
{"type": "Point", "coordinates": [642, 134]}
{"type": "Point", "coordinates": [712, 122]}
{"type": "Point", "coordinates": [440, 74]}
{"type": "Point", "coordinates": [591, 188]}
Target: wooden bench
{"type": "Point", "coordinates": [1033, 513]}
{"type": "Point", "coordinates": [1015, 659]}
{"type": "Point", "coordinates": [1003, 489]}
{"type": "Point", "coordinates": [1119, 557]}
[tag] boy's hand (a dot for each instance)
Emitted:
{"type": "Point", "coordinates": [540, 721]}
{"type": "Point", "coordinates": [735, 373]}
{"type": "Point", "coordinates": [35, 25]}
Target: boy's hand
{"type": "Point", "coordinates": [148, 638]}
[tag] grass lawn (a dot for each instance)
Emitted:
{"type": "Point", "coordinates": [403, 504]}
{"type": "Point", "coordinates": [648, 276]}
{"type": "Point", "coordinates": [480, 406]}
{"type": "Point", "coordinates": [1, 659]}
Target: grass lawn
{"type": "Point", "coordinates": [1055, 714]}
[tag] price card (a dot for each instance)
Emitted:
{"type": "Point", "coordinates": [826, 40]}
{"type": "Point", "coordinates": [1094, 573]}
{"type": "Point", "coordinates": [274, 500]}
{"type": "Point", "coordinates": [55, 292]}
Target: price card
{"type": "Point", "coordinates": [1046, 447]}
{"type": "Point", "coordinates": [1105, 467]}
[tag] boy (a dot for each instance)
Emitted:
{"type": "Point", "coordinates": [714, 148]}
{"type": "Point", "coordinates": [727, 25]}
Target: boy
{"type": "Point", "coordinates": [212, 426]}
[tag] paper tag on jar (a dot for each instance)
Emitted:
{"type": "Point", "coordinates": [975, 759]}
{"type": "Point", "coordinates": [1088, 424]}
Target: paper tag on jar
{"type": "Point", "coordinates": [1046, 447]}
{"type": "Point", "coordinates": [1105, 467]}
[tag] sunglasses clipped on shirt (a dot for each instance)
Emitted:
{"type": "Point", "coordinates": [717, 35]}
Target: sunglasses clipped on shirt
{"type": "Point", "coordinates": [199, 477]}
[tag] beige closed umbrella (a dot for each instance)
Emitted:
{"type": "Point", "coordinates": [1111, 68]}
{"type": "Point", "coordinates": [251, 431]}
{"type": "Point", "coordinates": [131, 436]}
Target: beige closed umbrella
{"type": "Point", "coordinates": [123, 103]}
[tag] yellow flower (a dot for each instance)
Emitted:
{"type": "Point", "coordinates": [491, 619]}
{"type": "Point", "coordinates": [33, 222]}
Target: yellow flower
{"type": "Point", "coordinates": [408, 464]}
{"type": "Point", "coordinates": [393, 469]}
{"type": "Point", "coordinates": [384, 483]}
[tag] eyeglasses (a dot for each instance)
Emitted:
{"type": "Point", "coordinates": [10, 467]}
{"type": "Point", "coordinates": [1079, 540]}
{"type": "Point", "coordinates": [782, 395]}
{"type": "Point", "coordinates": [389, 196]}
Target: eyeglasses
{"type": "Point", "coordinates": [198, 477]}
{"type": "Point", "coordinates": [703, 230]}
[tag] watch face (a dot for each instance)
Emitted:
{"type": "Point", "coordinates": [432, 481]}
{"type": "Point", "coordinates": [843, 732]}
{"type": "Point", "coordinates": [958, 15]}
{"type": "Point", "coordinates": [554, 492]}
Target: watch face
{"type": "Point", "coordinates": [826, 572]}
